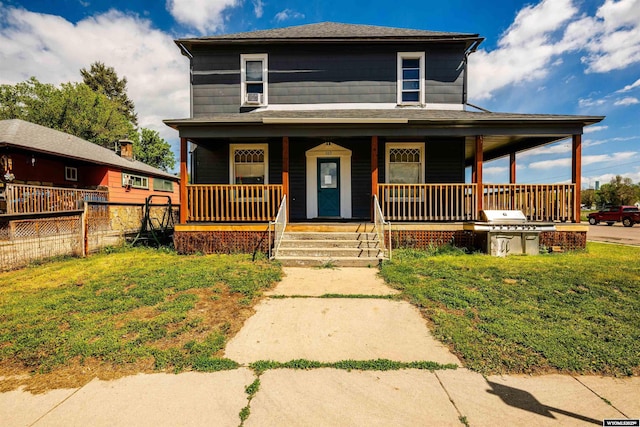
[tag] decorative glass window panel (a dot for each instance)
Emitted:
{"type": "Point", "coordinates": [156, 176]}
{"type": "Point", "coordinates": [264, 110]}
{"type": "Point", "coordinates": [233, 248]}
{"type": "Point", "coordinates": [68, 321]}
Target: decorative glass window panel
{"type": "Point", "coordinates": [249, 166]}
{"type": "Point", "coordinates": [404, 166]}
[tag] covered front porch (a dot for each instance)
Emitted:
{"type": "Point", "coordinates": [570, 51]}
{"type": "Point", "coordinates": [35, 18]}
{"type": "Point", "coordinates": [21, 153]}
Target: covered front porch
{"type": "Point", "coordinates": [400, 166]}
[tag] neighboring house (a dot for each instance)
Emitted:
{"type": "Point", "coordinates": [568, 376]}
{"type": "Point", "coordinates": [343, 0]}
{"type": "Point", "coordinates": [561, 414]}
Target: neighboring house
{"type": "Point", "coordinates": [339, 118]}
{"type": "Point", "coordinates": [45, 170]}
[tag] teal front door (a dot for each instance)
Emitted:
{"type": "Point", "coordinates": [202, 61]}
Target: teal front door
{"type": "Point", "coordinates": [329, 187]}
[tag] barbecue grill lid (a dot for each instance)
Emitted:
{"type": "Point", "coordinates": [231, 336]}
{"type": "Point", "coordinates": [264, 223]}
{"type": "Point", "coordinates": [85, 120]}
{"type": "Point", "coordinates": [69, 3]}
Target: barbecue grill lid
{"type": "Point", "coordinates": [497, 216]}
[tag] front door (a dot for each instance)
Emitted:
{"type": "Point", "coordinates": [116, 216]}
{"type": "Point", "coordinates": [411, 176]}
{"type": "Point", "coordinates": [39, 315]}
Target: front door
{"type": "Point", "coordinates": [329, 187]}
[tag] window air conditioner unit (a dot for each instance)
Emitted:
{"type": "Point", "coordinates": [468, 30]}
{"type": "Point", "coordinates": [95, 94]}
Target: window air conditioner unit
{"type": "Point", "coordinates": [254, 98]}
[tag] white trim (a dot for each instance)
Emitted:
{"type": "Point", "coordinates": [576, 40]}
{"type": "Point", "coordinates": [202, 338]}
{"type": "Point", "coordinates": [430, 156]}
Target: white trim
{"type": "Point", "coordinates": [390, 145]}
{"type": "Point", "coordinates": [360, 106]}
{"type": "Point", "coordinates": [70, 173]}
{"type": "Point", "coordinates": [232, 163]}
{"type": "Point", "coordinates": [265, 77]}
{"type": "Point", "coordinates": [410, 55]}
{"type": "Point", "coordinates": [328, 150]}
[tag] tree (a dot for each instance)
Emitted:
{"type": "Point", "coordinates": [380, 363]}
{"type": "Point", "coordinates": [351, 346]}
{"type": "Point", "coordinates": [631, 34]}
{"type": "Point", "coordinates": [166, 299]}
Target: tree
{"type": "Point", "coordinates": [588, 197]}
{"type": "Point", "coordinates": [73, 108]}
{"type": "Point", "coordinates": [103, 79]}
{"type": "Point", "coordinates": [619, 191]}
{"type": "Point", "coordinates": [154, 150]}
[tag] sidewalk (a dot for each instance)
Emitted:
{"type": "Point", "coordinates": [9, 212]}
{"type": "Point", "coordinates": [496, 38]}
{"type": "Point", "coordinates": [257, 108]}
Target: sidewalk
{"type": "Point", "coordinates": [305, 326]}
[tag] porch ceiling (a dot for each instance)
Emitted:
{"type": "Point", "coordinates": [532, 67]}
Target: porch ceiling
{"type": "Point", "coordinates": [503, 132]}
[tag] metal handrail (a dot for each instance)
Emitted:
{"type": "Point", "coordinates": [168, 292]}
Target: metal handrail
{"type": "Point", "coordinates": [380, 225]}
{"type": "Point", "coordinates": [279, 225]}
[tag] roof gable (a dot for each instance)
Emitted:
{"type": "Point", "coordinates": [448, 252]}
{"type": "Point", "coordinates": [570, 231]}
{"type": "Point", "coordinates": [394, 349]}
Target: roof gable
{"type": "Point", "coordinates": [30, 136]}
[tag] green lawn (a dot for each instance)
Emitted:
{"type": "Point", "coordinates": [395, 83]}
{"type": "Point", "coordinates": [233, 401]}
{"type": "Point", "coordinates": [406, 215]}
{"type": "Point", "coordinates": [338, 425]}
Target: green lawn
{"type": "Point", "coordinates": [574, 312]}
{"type": "Point", "coordinates": [141, 308]}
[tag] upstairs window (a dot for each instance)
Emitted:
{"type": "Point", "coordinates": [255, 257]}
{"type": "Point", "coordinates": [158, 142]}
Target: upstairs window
{"type": "Point", "coordinates": [405, 163]}
{"type": "Point", "coordinates": [411, 78]}
{"type": "Point", "coordinates": [249, 164]}
{"type": "Point", "coordinates": [254, 72]}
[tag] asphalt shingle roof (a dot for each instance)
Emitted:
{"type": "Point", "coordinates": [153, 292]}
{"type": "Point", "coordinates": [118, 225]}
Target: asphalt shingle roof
{"type": "Point", "coordinates": [411, 115]}
{"type": "Point", "coordinates": [334, 30]}
{"type": "Point", "coordinates": [30, 136]}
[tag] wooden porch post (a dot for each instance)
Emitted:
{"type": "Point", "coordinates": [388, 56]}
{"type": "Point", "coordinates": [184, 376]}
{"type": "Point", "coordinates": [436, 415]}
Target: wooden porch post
{"type": "Point", "coordinates": [477, 175]}
{"type": "Point", "coordinates": [576, 173]}
{"type": "Point", "coordinates": [285, 171]}
{"type": "Point", "coordinates": [374, 171]}
{"type": "Point", "coordinates": [184, 177]}
{"type": "Point", "coordinates": [512, 168]}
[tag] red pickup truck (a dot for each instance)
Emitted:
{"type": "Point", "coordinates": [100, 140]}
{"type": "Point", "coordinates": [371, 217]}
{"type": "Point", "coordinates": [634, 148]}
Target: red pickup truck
{"type": "Point", "coordinates": [629, 215]}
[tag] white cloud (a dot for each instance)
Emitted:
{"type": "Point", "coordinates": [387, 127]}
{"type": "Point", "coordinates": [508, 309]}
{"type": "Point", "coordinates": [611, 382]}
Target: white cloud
{"type": "Point", "coordinates": [54, 50]}
{"type": "Point", "coordinates": [613, 36]}
{"type": "Point", "coordinates": [258, 8]}
{"type": "Point", "coordinates": [525, 51]}
{"type": "Point", "coordinates": [586, 160]}
{"type": "Point", "coordinates": [287, 14]}
{"type": "Point", "coordinates": [203, 15]}
{"type": "Point", "coordinates": [540, 34]}
{"type": "Point", "coordinates": [629, 100]}
{"type": "Point", "coordinates": [588, 102]}
{"type": "Point", "coordinates": [630, 87]}
{"type": "Point", "coordinates": [591, 129]}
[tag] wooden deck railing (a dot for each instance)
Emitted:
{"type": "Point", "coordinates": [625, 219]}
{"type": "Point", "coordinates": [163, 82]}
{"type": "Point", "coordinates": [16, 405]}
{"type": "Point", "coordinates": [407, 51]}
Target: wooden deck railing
{"type": "Point", "coordinates": [229, 203]}
{"type": "Point", "coordinates": [539, 202]}
{"type": "Point", "coordinates": [428, 202]}
{"type": "Point", "coordinates": [24, 198]}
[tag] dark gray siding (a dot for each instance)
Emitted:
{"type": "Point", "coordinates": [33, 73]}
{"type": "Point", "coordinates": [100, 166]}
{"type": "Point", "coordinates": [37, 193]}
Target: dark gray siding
{"type": "Point", "coordinates": [323, 74]}
{"type": "Point", "coordinates": [444, 160]}
{"type": "Point", "coordinates": [211, 163]}
{"type": "Point", "coordinates": [297, 176]}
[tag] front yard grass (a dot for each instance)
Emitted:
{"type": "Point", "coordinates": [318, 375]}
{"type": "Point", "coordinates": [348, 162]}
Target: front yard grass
{"type": "Point", "coordinates": [573, 312]}
{"type": "Point", "coordinates": [133, 310]}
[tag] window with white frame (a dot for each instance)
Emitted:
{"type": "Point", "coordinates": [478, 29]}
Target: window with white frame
{"type": "Point", "coordinates": [135, 181]}
{"type": "Point", "coordinates": [254, 73]}
{"type": "Point", "coordinates": [411, 77]}
{"type": "Point", "coordinates": [249, 164]}
{"type": "Point", "coordinates": [70, 174]}
{"type": "Point", "coordinates": [405, 163]}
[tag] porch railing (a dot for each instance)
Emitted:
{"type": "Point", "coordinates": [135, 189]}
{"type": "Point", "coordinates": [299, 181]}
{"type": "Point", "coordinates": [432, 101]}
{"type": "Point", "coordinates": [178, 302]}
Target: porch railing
{"type": "Point", "coordinates": [24, 198]}
{"type": "Point", "coordinates": [539, 202]}
{"type": "Point", "coordinates": [428, 202]}
{"type": "Point", "coordinates": [279, 225]}
{"type": "Point", "coordinates": [229, 203]}
{"type": "Point", "coordinates": [380, 227]}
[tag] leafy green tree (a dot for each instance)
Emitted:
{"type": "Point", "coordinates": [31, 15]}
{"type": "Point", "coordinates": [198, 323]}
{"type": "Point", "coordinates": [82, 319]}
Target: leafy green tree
{"type": "Point", "coordinates": [154, 150]}
{"type": "Point", "coordinates": [73, 108]}
{"type": "Point", "coordinates": [588, 197]}
{"type": "Point", "coordinates": [619, 191]}
{"type": "Point", "coordinates": [103, 79]}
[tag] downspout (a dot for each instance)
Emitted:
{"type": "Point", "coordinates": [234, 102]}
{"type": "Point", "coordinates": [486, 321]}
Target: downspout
{"type": "Point", "coordinates": [190, 145]}
{"type": "Point", "coordinates": [469, 51]}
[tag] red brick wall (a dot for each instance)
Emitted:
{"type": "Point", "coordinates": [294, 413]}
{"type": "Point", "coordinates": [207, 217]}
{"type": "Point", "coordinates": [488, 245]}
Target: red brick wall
{"type": "Point", "coordinates": [566, 240]}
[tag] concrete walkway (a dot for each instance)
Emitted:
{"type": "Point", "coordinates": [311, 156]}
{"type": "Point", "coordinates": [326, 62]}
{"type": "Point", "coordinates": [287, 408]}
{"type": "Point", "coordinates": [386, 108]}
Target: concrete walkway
{"type": "Point", "coordinates": [296, 324]}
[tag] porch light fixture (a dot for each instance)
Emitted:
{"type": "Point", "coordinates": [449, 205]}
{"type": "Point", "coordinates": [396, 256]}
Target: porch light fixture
{"type": "Point", "coordinates": [33, 160]}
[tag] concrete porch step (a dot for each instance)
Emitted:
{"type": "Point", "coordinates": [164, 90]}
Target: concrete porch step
{"type": "Point", "coordinates": [328, 235]}
{"type": "Point", "coordinates": [324, 243]}
{"type": "Point", "coordinates": [322, 252]}
{"type": "Point", "coordinates": [298, 261]}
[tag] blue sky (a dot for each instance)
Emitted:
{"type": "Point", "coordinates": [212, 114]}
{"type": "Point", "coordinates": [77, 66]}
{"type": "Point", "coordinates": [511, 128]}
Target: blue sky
{"type": "Point", "coordinates": [549, 56]}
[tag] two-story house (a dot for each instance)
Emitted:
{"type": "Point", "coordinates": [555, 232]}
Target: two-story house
{"type": "Point", "coordinates": [356, 124]}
